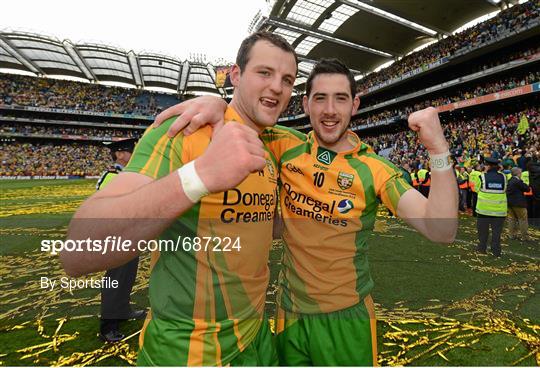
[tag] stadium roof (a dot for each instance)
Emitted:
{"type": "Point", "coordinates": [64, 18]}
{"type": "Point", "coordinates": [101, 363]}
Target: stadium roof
{"type": "Point", "coordinates": [45, 55]}
{"type": "Point", "coordinates": [367, 33]}
{"type": "Point", "coordinates": [363, 33]}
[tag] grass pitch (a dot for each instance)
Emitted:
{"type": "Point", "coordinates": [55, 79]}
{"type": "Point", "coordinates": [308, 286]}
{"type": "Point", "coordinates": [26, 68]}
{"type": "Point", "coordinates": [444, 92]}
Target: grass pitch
{"type": "Point", "coordinates": [436, 305]}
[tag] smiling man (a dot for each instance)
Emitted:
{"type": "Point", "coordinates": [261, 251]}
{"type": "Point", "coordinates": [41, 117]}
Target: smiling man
{"type": "Point", "coordinates": [207, 300]}
{"type": "Point", "coordinates": [325, 284]}
{"type": "Point", "coordinates": [331, 187]}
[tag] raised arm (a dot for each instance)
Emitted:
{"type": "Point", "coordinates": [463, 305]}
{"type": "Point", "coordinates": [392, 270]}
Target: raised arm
{"type": "Point", "coordinates": [437, 216]}
{"type": "Point", "coordinates": [135, 207]}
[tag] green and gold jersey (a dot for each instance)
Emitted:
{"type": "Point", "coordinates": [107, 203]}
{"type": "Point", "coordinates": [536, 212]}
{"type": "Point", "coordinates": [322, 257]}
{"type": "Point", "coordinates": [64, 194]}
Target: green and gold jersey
{"type": "Point", "coordinates": [207, 299]}
{"type": "Point", "coordinates": [328, 201]}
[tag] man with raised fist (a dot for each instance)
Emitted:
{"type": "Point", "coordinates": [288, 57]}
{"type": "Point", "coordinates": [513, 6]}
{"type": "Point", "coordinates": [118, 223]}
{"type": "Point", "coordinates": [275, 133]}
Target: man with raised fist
{"type": "Point", "coordinates": [331, 186]}
{"type": "Point", "coordinates": [213, 196]}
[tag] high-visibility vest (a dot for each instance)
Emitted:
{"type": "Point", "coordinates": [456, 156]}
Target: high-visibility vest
{"type": "Point", "coordinates": [422, 173]}
{"type": "Point", "coordinates": [465, 179]}
{"type": "Point", "coordinates": [105, 178]}
{"type": "Point", "coordinates": [525, 179]}
{"type": "Point", "coordinates": [414, 179]}
{"type": "Point", "coordinates": [474, 180]}
{"type": "Point", "coordinates": [491, 200]}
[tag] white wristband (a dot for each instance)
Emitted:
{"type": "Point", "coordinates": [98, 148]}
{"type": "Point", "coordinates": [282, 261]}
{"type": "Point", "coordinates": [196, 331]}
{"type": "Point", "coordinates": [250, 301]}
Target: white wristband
{"type": "Point", "coordinates": [440, 162]}
{"type": "Point", "coordinates": [192, 184]}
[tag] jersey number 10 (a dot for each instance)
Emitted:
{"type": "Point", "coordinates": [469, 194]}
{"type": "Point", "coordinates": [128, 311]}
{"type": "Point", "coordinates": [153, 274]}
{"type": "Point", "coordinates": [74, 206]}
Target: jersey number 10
{"type": "Point", "coordinates": [318, 179]}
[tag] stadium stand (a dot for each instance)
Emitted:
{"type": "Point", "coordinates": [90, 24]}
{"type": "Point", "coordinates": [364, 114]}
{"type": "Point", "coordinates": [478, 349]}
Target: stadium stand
{"type": "Point", "coordinates": [472, 138]}
{"type": "Point", "coordinates": [59, 131]}
{"type": "Point", "coordinates": [525, 78]}
{"type": "Point", "coordinates": [17, 90]}
{"type": "Point", "coordinates": [493, 29]}
{"type": "Point", "coordinates": [484, 81]}
{"type": "Point", "coordinates": [45, 158]}
{"type": "Point", "coordinates": [55, 127]}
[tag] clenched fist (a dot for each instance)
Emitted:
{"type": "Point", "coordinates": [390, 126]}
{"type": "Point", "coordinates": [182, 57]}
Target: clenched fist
{"type": "Point", "coordinates": [426, 123]}
{"type": "Point", "coordinates": [234, 152]}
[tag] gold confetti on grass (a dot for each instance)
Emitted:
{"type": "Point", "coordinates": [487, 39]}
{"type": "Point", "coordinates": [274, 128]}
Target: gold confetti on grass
{"type": "Point", "coordinates": [511, 269]}
{"type": "Point", "coordinates": [54, 233]}
{"type": "Point", "coordinates": [55, 340]}
{"type": "Point", "coordinates": [44, 199]}
{"type": "Point", "coordinates": [420, 334]}
{"type": "Point", "coordinates": [22, 295]}
{"type": "Point", "coordinates": [412, 334]}
{"type": "Point", "coordinates": [120, 350]}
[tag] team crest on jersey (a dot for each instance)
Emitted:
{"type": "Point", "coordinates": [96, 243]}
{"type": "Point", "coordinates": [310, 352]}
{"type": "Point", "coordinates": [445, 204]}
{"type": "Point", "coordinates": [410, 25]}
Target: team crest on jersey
{"type": "Point", "coordinates": [345, 180]}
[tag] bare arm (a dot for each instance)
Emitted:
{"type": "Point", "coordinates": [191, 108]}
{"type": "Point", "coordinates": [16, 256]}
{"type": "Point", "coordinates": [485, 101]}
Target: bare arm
{"type": "Point", "coordinates": [196, 112]}
{"type": "Point", "coordinates": [435, 217]}
{"type": "Point", "coordinates": [135, 207]}
{"type": "Point", "coordinates": [125, 208]}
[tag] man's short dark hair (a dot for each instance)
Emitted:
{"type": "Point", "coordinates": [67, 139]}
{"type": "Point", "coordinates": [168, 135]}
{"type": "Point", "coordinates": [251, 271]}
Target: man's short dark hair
{"type": "Point", "coordinates": [330, 66]}
{"type": "Point", "coordinates": [242, 57]}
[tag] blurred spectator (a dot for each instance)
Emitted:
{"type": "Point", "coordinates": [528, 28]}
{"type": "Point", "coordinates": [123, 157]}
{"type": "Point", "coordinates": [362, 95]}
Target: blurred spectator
{"type": "Point", "coordinates": [464, 94]}
{"type": "Point", "coordinates": [533, 167]}
{"type": "Point", "coordinates": [295, 106]}
{"type": "Point", "coordinates": [21, 90]}
{"type": "Point", "coordinates": [517, 206]}
{"type": "Point", "coordinates": [471, 139]}
{"type": "Point", "coordinates": [60, 130]}
{"type": "Point", "coordinates": [52, 159]}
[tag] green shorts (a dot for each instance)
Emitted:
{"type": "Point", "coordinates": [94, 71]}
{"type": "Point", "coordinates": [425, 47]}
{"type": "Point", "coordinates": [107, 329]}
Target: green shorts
{"type": "Point", "coordinates": [342, 338]}
{"type": "Point", "coordinates": [260, 352]}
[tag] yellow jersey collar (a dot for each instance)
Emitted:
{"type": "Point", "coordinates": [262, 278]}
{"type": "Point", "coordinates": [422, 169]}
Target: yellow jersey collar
{"type": "Point", "coordinates": [352, 136]}
{"type": "Point", "coordinates": [231, 114]}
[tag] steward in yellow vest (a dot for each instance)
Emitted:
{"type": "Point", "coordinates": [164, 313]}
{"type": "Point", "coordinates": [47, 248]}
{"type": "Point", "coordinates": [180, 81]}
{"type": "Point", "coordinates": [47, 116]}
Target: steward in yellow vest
{"type": "Point", "coordinates": [474, 183]}
{"type": "Point", "coordinates": [491, 207]}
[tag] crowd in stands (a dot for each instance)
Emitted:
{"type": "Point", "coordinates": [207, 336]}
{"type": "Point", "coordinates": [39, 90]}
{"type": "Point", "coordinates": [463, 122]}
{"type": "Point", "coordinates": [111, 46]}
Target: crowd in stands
{"type": "Point", "coordinates": [470, 139]}
{"type": "Point", "coordinates": [511, 19]}
{"type": "Point", "coordinates": [67, 130]}
{"type": "Point", "coordinates": [295, 106]}
{"type": "Point", "coordinates": [18, 90]}
{"type": "Point", "coordinates": [51, 159]}
{"type": "Point", "coordinates": [449, 75]}
{"type": "Point", "coordinates": [462, 94]}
